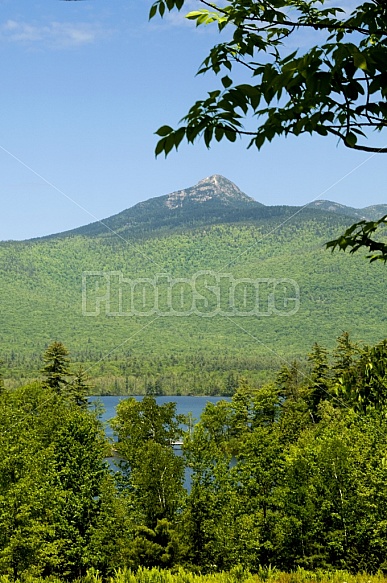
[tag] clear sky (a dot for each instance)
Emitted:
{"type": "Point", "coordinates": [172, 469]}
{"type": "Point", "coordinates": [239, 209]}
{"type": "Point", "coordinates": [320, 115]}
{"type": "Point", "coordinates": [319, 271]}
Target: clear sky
{"type": "Point", "coordinates": [84, 86]}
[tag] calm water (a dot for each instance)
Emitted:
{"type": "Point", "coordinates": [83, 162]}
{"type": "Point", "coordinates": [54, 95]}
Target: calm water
{"type": "Point", "coordinates": [184, 405]}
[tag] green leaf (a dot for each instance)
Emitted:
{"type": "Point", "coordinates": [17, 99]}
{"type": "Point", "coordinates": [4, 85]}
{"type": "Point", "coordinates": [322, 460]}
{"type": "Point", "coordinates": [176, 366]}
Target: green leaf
{"type": "Point", "coordinates": [193, 15]}
{"type": "Point", "coordinates": [164, 131]}
{"type": "Point", "coordinates": [159, 147]}
{"type": "Point", "coordinates": [152, 11]}
{"type": "Point", "coordinates": [202, 16]}
{"type": "Point", "coordinates": [219, 133]}
{"type": "Point", "coordinates": [360, 61]}
{"type": "Point", "coordinates": [179, 135]}
{"type": "Point", "coordinates": [226, 81]}
{"type": "Point", "coordinates": [350, 139]}
{"type": "Point", "coordinates": [321, 130]}
{"type": "Point", "coordinates": [169, 143]}
{"type": "Point", "coordinates": [230, 135]}
{"type": "Point", "coordinates": [208, 133]}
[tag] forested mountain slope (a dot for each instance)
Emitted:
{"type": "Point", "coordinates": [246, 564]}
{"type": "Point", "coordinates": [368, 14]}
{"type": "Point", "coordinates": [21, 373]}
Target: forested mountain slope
{"type": "Point", "coordinates": [287, 292]}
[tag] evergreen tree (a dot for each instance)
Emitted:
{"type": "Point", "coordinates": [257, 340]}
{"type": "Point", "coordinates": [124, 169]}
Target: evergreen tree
{"type": "Point", "coordinates": [294, 406]}
{"type": "Point", "coordinates": [80, 387]}
{"type": "Point", "coordinates": [319, 381]}
{"type": "Point", "coordinates": [56, 368]}
{"type": "Point", "coordinates": [242, 409]}
{"type": "Point", "coordinates": [344, 356]}
{"type": "Point", "coordinates": [289, 381]}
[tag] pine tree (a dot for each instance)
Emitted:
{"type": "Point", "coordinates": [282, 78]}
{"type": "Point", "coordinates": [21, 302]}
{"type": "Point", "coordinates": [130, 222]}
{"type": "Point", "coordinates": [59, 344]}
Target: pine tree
{"type": "Point", "coordinates": [344, 356]}
{"type": "Point", "coordinates": [319, 383]}
{"type": "Point", "coordinates": [56, 368]}
{"type": "Point", "coordinates": [289, 381]}
{"type": "Point", "coordinates": [80, 387]}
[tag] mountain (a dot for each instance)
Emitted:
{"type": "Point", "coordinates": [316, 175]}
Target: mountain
{"type": "Point", "coordinates": [339, 209]}
{"type": "Point", "coordinates": [374, 212]}
{"type": "Point", "coordinates": [215, 188]}
{"type": "Point", "coordinates": [187, 292]}
{"type": "Point", "coordinates": [369, 213]}
{"type": "Point", "coordinates": [213, 199]}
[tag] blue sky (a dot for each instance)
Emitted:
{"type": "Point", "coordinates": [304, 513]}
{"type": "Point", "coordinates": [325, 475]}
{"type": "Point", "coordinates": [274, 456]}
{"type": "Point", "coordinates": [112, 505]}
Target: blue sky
{"type": "Point", "coordinates": [84, 86]}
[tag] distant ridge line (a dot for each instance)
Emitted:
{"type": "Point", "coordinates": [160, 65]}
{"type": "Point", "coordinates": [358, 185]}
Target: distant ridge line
{"type": "Point", "coordinates": [214, 199]}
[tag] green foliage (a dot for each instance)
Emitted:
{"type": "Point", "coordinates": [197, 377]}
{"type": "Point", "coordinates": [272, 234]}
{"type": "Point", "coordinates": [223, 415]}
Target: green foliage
{"type": "Point", "coordinates": [319, 379]}
{"type": "Point", "coordinates": [54, 485]}
{"type": "Point", "coordinates": [152, 474]}
{"type": "Point", "coordinates": [291, 475]}
{"type": "Point", "coordinates": [363, 384]}
{"type": "Point", "coordinates": [336, 86]}
{"type": "Point", "coordinates": [1, 377]}
{"type": "Point", "coordinates": [359, 236]}
{"type": "Point", "coordinates": [56, 368]}
{"type": "Point", "coordinates": [160, 547]}
{"type": "Point", "coordinates": [80, 386]}
{"type": "Point", "coordinates": [181, 355]}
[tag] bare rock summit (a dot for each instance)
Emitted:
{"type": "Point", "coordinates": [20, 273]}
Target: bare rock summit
{"type": "Point", "coordinates": [215, 188]}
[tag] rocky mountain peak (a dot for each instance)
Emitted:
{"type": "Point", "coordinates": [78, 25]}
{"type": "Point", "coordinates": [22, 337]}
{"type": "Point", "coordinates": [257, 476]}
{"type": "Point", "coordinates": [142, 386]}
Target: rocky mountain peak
{"type": "Point", "coordinates": [214, 187]}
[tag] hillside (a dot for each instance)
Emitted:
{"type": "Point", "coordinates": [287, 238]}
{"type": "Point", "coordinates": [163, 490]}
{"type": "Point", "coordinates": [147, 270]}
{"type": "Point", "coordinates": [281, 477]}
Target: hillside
{"type": "Point", "coordinates": [123, 305]}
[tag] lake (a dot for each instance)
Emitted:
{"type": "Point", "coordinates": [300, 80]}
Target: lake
{"type": "Point", "coordinates": [184, 405]}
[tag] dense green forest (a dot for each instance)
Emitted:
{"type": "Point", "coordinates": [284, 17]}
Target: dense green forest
{"type": "Point", "coordinates": [287, 476]}
{"type": "Point", "coordinates": [292, 475]}
{"type": "Point", "coordinates": [41, 297]}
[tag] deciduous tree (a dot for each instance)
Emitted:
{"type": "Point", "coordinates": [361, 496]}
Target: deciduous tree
{"type": "Point", "coordinates": [335, 85]}
{"type": "Point", "coordinates": [152, 473]}
{"type": "Point", "coordinates": [55, 489]}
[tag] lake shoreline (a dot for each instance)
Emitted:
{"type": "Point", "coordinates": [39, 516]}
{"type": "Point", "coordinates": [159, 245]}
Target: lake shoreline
{"type": "Point", "coordinates": [117, 395]}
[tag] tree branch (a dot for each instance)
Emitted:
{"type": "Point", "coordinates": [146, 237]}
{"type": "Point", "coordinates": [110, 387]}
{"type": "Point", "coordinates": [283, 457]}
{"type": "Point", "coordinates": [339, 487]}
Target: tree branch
{"type": "Point", "coordinates": [315, 25]}
{"type": "Point", "coordinates": [356, 146]}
